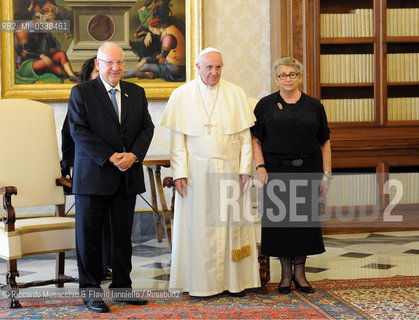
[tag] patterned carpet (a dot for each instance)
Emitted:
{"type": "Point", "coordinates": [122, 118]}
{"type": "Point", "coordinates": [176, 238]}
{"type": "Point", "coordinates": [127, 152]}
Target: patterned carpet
{"type": "Point", "coordinates": [379, 298]}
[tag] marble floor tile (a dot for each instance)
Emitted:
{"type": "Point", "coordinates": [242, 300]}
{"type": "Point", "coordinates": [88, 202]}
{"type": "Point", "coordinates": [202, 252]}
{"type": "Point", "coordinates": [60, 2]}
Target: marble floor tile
{"type": "Point", "coordinates": [347, 256]}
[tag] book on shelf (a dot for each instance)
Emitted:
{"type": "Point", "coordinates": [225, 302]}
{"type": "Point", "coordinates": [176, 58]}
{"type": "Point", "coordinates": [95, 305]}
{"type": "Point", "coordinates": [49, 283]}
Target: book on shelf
{"type": "Point", "coordinates": [406, 71]}
{"type": "Point", "coordinates": [391, 22]}
{"type": "Point", "coordinates": [416, 20]}
{"type": "Point", "coordinates": [414, 66]}
{"type": "Point", "coordinates": [343, 68]}
{"type": "Point", "coordinates": [323, 24]}
{"type": "Point", "coordinates": [410, 183]}
{"type": "Point", "coordinates": [402, 22]}
{"type": "Point", "coordinates": [362, 23]}
{"type": "Point", "coordinates": [348, 110]}
{"type": "Point", "coordinates": [336, 25]}
{"type": "Point", "coordinates": [390, 110]}
{"type": "Point", "coordinates": [368, 68]}
{"type": "Point", "coordinates": [398, 63]}
{"type": "Point", "coordinates": [345, 115]}
{"type": "Point", "coordinates": [392, 115]}
{"type": "Point", "coordinates": [398, 109]}
{"type": "Point", "coordinates": [391, 68]}
{"type": "Point", "coordinates": [352, 72]}
{"type": "Point", "coordinates": [346, 68]}
{"type": "Point", "coordinates": [366, 22]}
{"type": "Point", "coordinates": [362, 68]}
{"type": "Point", "coordinates": [333, 110]}
{"type": "Point", "coordinates": [356, 23]}
{"type": "Point", "coordinates": [335, 66]}
{"type": "Point", "coordinates": [371, 22]}
{"type": "Point", "coordinates": [323, 69]}
{"type": "Point", "coordinates": [402, 67]}
{"type": "Point", "coordinates": [356, 63]}
{"type": "Point", "coordinates": [403, 109]}
{"type": "Point", "coordinates": [407, 22]}
{"type": "Point", "coordinates": [416, 108]}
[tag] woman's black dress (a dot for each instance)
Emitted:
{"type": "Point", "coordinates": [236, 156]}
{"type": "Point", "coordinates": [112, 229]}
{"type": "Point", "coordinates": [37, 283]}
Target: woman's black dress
{"type": "Point", "coordinates": [291, 136]}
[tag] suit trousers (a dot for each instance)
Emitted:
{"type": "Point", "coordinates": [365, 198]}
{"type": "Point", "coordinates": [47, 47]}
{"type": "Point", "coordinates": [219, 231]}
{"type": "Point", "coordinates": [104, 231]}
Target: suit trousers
{"type": "Point", "coordinates": [91, 212]}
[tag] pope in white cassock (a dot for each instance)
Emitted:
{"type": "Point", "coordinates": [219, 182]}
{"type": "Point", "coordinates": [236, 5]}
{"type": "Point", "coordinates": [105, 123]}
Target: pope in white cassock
{"type": "Point", "coordinates": [214, 244]}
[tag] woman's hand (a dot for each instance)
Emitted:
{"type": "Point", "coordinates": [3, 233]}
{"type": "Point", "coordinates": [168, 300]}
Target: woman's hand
{"type": "Point", "coordinates": [260, 178]}
{"type": "Point", "coordinates": [324, 187]}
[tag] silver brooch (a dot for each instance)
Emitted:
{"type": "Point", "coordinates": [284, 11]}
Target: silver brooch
{"type": "Point", "coordinates": [280, 106]}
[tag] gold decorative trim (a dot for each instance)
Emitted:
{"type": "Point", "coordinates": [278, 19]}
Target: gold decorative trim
{"type": "Point", "coordinates": [156, 91]}
{"type": "Point", "coordinates": [239, 254]}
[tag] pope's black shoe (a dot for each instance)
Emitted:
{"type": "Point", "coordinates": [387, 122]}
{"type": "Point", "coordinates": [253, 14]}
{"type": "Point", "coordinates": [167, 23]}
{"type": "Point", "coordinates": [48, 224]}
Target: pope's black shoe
{"type": "Point", "coordinates": [96, 306]}
{"type": "Point", "coordinates": [129, 297]}
{"type": "Point", "coordinates": [133, 302]}
{"type": "Point", "coordinates": [237, 294]}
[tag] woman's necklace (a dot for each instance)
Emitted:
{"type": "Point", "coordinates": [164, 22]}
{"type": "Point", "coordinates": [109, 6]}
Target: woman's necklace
{"type": "Point", "coordinates": [292, 99]}
{"type": "Point", "coordinates": [288, 101]}
{"type": "Point", "coordinates": [208, 125]}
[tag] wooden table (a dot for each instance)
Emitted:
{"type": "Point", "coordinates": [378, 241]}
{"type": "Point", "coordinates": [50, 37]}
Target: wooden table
{"type": "Point", "coordinates": [154, 163]}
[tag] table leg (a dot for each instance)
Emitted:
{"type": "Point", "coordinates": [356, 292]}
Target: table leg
{"type": "Point", "coordinates": [169, 183]}
{"type": "Point", "coordinates": [156, 215]}
{"type": "Point", "coordinates": [164, 207]}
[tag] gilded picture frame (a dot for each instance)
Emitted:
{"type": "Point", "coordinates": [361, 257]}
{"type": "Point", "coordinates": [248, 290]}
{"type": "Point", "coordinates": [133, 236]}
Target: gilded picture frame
{"type": "Point", "coordinates": [156, 89]}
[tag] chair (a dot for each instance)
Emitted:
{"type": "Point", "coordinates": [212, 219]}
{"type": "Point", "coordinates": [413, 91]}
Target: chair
{"type": "Point", "coordinates": [29, 168]}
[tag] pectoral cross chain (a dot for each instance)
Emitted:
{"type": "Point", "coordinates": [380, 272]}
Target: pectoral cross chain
{"type": "Point", "coordinates": [208, 126]}
{"type": "Point", "coordinates": [209, 115]}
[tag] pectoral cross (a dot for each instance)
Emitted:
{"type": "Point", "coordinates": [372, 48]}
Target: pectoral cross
{"type": "Point", "coordinates": [208, 126]}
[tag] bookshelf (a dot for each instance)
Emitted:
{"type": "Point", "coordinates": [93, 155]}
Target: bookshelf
{"type": "Point", "coordinates": [401, 47]}
{"type": "Point", "coordinates": [361, 59]}
{"type": "Point", "coordinates": [345, 55]}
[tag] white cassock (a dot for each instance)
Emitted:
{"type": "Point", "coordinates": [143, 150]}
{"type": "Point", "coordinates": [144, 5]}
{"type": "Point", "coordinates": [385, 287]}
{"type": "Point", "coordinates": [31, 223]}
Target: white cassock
{"type": "Point", "coordinates": [210, 256]}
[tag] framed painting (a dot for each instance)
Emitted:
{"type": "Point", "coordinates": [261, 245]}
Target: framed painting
{"type": "Point", "coordinates": [44, 43]}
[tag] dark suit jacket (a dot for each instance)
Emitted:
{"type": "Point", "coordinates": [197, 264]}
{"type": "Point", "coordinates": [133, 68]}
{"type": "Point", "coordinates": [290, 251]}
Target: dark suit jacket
{"type": "Point", "coordinates": [67, 147]}
{"type": "Point", "coordinates": [97, 134]}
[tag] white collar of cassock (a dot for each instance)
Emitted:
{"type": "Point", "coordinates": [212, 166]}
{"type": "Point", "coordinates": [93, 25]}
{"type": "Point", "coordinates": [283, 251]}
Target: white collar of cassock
{"type": "Point", "coordinates": [205, 87]}
{"type": "Point", "coordinates": [208, 94]}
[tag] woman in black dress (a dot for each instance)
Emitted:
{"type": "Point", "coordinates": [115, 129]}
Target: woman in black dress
{"type": "Point", "coordinates": [290, 141]}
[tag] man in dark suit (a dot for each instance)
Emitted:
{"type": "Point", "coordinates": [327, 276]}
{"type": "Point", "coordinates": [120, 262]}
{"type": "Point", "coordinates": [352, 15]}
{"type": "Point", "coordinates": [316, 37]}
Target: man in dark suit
{"type": "Point", "coordinates": [112, 130]}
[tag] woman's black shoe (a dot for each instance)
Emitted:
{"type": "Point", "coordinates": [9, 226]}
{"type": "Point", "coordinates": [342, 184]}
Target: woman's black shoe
{"type": "Point", "coordinates": [284, 290]}
{"type": "Point", "coordinates": [305, 289]}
